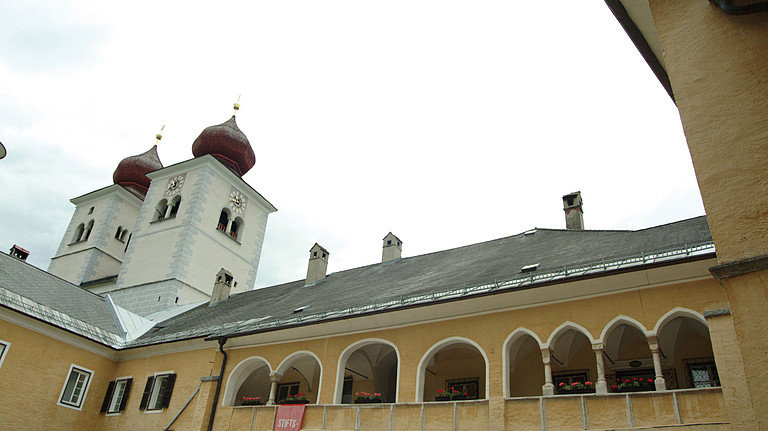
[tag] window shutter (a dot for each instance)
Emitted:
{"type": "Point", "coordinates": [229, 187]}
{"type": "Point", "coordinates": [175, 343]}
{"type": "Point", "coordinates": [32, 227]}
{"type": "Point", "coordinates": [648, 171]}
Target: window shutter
{"type": "Point", "coordinates": [147, 391]}
{"type": "Point", "coordinates": [168, 390]}
{"type": "Point", "coordinates": [108, 397]}
{"type": "Point", "coordinates": [127, 392]}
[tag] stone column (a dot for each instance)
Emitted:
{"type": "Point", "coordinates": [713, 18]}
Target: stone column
{"type": "Point", "coordinates": [653, 344]}
{"type": "Point", "coordinates": [601, 386]}
{"type": "Point", "coordinates": [549, 387]}
{"type": "Point", "coordinates": [274, 378]}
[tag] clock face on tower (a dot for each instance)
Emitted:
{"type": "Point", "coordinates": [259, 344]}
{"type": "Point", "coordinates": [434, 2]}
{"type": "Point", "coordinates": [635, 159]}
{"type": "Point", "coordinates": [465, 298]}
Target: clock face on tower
{"type": "Point", "coordinates": [174, 185]}
{"type": "Point", "coordinates": [237, 201]}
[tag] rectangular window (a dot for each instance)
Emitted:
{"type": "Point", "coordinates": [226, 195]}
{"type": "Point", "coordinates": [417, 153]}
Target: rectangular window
{"type": "Point", "coordinates": [702, 373]}
{"type": "Point", "coordinates": [4, 346]}
{"type": "Point", "coordinates": [75, 387]}
{"type": "Point", "coordinates": [464, 386]}
{"type": "Point", "coordinates": [285, 389]}
{"type": "Point", "coordinates": [117, 395]}
{"type": "Point", "coordinates": [157, 392]}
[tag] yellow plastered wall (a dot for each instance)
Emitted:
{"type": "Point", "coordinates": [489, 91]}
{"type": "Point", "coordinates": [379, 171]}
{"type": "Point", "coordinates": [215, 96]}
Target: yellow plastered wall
{"type": "Point", "coordinates": [33, 375]}
{"type": "Point", "coordinates": [716, 64]}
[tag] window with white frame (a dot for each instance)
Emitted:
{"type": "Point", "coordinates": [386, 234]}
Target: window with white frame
{"type": "Point", "coordinates": [75, 387]}
{"type": "Point", "coordinates": [157, 392]}
{"type": "Point", "coordinates": [117, 395]}
{"type": "Point", "coordinates": [4, 345]}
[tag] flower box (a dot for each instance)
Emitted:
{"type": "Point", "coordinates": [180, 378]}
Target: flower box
{"type": "Point", "coordinates": [635, 389]}
{"type": "Point", "coordinates": [368, 401]}
{"type": "Point", "coordinates": [634, 385]}
{"type": "Point", "coordinates": [455, 397]}
{"type": "Point", "coordinates": [576, 388]}
{"type": "Point", "coordinates": [576, 391]}
{"type": "Point", "coordinates": [252, 401]}
{"type": "Point", "coordinates": [293, 401]}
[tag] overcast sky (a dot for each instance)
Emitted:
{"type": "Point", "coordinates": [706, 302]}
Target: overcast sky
{"type": "Point", "coordinates": [446, 122]}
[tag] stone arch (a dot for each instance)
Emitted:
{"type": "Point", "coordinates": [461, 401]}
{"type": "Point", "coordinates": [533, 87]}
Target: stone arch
{"type": "Point", "coordinates": [685, 347]}
{"type": "Point", "coordinates": [392, 394]}
{"type": "Point", "coordinates": [304, 368]}
{"type": "Point", "coordinates": [452, 343]}
{"type": "Point", "coordinates": [626, 352]}
{"type": "Point", "coordinates": [246, 375]}
{"type": "Point", "coordinates": [573, 360]}
{"type": "Point", "coordinates": [678, 312]}
{"type": "Point", "coordinates": [522, 351]}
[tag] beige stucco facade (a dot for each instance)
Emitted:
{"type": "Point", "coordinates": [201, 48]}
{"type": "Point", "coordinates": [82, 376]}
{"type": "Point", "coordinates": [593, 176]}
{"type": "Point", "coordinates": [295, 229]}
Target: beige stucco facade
{"type": "Point", "coordinates": [430, 350]}
{"type": "Point", "coordinates": [717, 66]}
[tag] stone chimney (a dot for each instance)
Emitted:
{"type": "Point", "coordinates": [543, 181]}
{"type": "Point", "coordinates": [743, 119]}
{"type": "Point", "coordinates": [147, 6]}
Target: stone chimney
{"type": "Point", "coordinates": [318, 264]}
{"type": "Point", "coordinates": [393, 248]}
{"type": "Point", "coordinates": [574, 215]}
{"type": "Point", "coordinates": [18, 252]}
{"type": "Point", "coordinates": [221, 286]}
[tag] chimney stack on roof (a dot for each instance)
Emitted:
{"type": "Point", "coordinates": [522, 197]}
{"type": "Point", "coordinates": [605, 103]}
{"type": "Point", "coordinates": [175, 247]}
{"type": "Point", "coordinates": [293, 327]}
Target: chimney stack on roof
{"type": "Point", "coordinates": [19, 253]}
{"type": "Point", "coordinates": [574, 215]}
{"type": "Point", "coordinates": [318, 264]}
{"type": "Point", "coordinates": [393, 248]}
{"type": "Point", "coordinates": [221, 286]}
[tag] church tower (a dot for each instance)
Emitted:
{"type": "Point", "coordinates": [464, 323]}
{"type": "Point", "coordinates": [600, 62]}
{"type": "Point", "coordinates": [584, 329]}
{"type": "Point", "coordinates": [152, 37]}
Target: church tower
{"type": "Point", "coordinates": [198, 216]}
{"type": "Point", "coordinates": [94, 244]}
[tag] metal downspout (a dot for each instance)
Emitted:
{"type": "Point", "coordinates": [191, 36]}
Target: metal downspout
{"type": "Point", "coordinates": [222, 341]}
{"type": "Point", "coordinates": [730, 9]}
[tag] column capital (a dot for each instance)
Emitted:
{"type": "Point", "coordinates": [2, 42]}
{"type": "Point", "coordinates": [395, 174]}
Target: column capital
{"type": "Point", "coordinates": [598, 347]}
{"type": "Point", "coordinates": [546, 354]}
{"type": "Point", "coordinates": [274, 377]}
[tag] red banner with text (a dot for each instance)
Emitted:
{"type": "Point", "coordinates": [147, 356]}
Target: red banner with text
{"type": "Point", "coordinates": [289, 417]}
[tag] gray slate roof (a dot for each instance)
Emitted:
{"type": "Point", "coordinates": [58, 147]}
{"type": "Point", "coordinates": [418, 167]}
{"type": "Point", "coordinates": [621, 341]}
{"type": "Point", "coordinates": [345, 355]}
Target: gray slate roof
{"type": "Point", "coordinates": [50, 291]}
{"type": "Point", "coordinates": [471, 265]}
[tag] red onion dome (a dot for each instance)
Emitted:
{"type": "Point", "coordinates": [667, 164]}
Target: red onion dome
{"type": "Point", "coordinates": [131, 172]}
{"type": "Point", "coordinates": [228, 144]}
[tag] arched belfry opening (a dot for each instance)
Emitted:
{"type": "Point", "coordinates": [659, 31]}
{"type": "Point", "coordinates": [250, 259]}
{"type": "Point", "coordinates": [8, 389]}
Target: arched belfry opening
{"type": "Point", "coordinates": [371, 367]}
{"type": "Point", "coordinates": [223, 220]}
{"type": "Point", "coordinates": [454, 363]}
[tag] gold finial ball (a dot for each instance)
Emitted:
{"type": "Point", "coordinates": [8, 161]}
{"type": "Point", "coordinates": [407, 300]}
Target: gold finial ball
{"type": "Point", "coordinates": [159, 136]}
{"type": "Point", "coordinates": [237, 106]}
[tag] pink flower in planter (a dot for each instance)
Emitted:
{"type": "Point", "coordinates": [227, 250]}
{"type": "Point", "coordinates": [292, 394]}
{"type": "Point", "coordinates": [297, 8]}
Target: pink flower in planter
{"type": "Point", "coordinates": [575, 384]}
{"type": "Point", "coordinates": [587, 383]}
{"type": "Point", "coordinates": [561, 384]}
{"type": "Point", "coordinates": [615, 387]}
{"type": "Point", "coordinates": [650, 380]}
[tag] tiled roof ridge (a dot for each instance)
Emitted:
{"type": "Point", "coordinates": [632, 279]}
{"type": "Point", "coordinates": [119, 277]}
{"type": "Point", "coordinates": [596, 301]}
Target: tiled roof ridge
{"type": "Point", "coordinates": [501, 239]}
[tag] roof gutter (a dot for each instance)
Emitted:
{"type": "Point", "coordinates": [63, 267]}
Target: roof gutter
{"type": "Point", "coordinates": [727, 7]}
{"type": "Point", "coordinates": [636, 36]}
{"type": "Point", "coordinates": [222, 341]}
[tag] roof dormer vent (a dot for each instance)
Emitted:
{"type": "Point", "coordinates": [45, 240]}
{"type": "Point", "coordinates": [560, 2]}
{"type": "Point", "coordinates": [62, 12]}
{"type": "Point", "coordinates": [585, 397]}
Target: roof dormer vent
{"type": "Point", "coordinates": [19, 253]}
{"type": "Point", "coordinates": [529, 268]}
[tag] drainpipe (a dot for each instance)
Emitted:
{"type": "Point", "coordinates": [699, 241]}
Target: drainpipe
{"type": "Point", "coordinates": [730, 9]}
{"type": "Point", "coordinates": [222, 341]}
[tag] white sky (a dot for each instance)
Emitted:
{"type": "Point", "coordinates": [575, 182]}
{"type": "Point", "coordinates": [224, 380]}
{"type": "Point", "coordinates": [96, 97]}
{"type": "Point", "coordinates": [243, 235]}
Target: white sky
{"type": "Point", "coordinates": [446, 122]}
